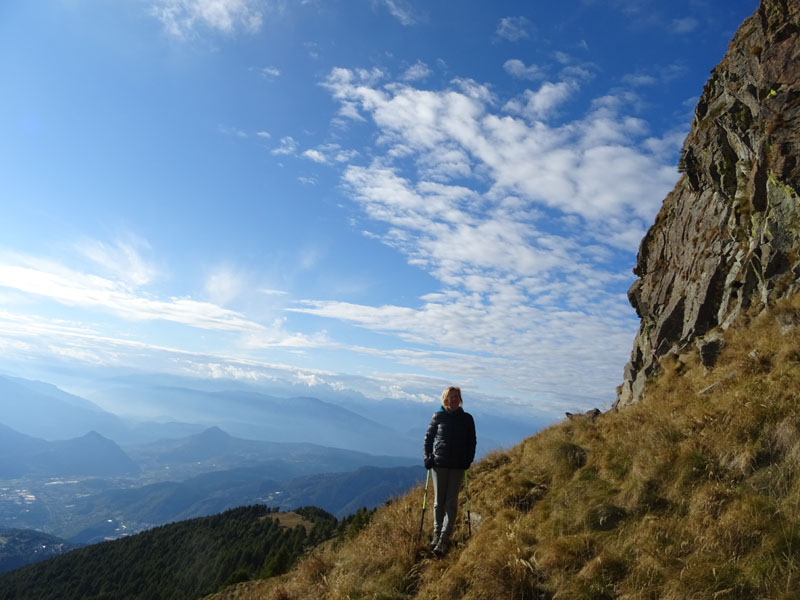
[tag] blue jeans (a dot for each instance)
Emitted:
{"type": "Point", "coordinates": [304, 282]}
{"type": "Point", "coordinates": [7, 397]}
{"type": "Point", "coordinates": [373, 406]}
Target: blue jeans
{"type": "Point", "coordinates": [446, 485]}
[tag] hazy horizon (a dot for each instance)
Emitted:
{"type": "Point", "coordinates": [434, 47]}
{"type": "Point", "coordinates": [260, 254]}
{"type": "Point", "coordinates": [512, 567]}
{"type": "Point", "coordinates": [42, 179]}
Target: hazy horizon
{"type": "Point", "coordinates": [377, 197]}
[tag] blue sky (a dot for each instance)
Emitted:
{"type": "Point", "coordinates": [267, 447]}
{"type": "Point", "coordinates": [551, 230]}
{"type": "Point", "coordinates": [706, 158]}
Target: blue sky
{"type": "Point", "coordinates": [382, 196]}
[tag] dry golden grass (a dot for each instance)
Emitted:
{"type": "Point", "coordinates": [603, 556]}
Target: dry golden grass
{"type": "Point", "coordinates": [681, 496]}
{"type": "Point", "coordinates": [289, 520]}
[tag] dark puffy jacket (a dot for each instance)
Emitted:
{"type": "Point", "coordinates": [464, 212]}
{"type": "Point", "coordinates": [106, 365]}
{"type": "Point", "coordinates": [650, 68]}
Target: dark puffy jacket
{"type": "Point", "coordinates": [450, 440]}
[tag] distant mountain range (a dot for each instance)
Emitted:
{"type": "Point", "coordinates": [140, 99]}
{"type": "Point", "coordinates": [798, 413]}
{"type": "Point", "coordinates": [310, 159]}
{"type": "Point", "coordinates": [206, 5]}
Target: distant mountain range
{"type": "Point", "coordinates": [86, 474]}
{"type": "Point", "coordinates": [214, 450]}
{"type": "Point", "coordinates": [255, 415]}
{"type": "Point", "coordinates": [44, 411]}
{"type": "Point", "coordinates": [171, 407]}
{"type": "Point", "coordinates": [91, 454]}
{"type": "Point", "coordinates": [89, 489]}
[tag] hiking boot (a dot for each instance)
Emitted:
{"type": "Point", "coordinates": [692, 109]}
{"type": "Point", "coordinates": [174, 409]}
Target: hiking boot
{"type": "Point", "coordinates": [441, 547]}
{"type": "Point", "coordinates": [434, 542]}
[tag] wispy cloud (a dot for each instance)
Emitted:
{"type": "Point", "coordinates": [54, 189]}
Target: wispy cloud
{"type": "Point", "coordinates": [640, 80]}
{"type": "Point", "coordinates": [513, 29]}
{"type": "Point", "coordinates": [224, 284]}
{"type": "Point", "coordinates": [121, 259]}
{"type": "Point", "coordinates": [401, 10]}
{"type": "Point", "coordinates": [685, 25]}
{"type": "Point", "coordinates": [232, 131]}
{"type": "Point", "coordinates": [288, 145]}
{"type": "Point", "coordinates": [270, 73]}
{"type": "Point", "coordinates": [182, 18]}
{"type": "Point", "coordinates": [45, 279]}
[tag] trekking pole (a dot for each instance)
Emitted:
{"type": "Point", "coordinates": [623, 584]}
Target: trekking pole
{"type": "Point", "coordinates": [469, 517]}
{"type": "Point", "coordinates": [424, 500]}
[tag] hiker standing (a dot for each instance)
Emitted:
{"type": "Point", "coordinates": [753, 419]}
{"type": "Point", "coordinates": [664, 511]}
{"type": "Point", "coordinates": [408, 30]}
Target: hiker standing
{"type": "Point", "coordinates": [449, 450]}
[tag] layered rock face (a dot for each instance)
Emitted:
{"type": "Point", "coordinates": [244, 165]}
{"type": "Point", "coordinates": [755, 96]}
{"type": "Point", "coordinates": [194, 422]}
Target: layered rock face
{"type": "Point", "coordinates": [727, 238]}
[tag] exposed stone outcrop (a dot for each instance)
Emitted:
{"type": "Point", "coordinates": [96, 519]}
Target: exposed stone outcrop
{"type": "Point", "coordinates": [728, 236]}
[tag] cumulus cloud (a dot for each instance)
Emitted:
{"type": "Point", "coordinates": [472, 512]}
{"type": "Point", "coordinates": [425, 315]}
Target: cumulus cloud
{"type": "Point", "coordinates": [326, 154]}
{"type": "Point", "coordinates": [517, 68]}
{"type": "Point", "coordinates": [561, 166]}
{"type": "Point", "coordinates": [315, 155]}
{"type": "Point", "coordinates": [181, 18]}
{"type": "Point", "coordinates": [540, 104]}
{"type": "Point", "coordinates": [527, 219]}
{"type": "Point", "coordinates": [416, 72]}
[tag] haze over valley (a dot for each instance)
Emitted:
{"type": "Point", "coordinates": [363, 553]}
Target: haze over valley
{"type": "Point", "coordinates": [71, 469]}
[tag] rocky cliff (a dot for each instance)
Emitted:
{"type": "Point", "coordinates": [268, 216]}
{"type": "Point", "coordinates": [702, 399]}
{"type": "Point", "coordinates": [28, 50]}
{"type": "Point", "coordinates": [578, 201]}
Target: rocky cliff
{"type": "Point", "coordinates": [727, 239]}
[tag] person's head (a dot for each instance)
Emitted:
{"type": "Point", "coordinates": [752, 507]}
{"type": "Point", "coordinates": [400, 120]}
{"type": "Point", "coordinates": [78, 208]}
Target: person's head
{"type": "Point", "coordinates": [451, 398]}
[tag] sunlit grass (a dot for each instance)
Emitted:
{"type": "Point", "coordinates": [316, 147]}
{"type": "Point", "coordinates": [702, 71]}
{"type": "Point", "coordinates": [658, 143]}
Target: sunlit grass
{"type": "Point", "coordinates": [684, 495]}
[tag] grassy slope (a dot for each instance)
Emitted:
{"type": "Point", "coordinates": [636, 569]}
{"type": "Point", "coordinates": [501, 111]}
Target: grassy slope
{"type": "Point", "coordinates": [681, 496]}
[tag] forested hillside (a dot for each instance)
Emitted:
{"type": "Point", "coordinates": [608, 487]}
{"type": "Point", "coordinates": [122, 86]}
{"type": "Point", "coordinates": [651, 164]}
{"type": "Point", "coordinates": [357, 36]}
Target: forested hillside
{"type": "Point", "coordinates": [19, 547]}
{"type": "Point", "coordinates": [183, 560]}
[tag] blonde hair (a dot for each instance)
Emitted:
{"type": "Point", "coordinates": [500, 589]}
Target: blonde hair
{"type": "Point", "coordinates": [447, 391]}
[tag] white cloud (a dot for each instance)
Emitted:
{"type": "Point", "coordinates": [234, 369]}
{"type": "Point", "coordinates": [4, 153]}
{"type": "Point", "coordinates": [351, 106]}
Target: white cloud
{"type": "Point", "coordinates": [640, 80]}
{"type": "Point", "coordinates": [270, 72]}
{"type": "Point", "coordinates": [685, 25]}
{"type": "Point", "coordinates": [315, 155]}
{"type": "Point", "coordinates": [542, 103]}
{"type": "Point", "coordinates": [181, 18]}
{"type": "Point", "coordinates": [401, 10]}
{"type": "Point", "coordinates": [416, 72]}
{"type": "Point", "coordinates": [48, 280]}
{"type": "Point", "coordinates": [288, 146]}
{"type": "Point", "coordinates": [543, 164]}
{"type": "Point", "coordinates": [517, 68]}
{"type": "Point", "coordinates": [513, 29]}
{"type": "Point", "coordinates": [329, 153]}
{"type": "Point", "coordinates": [224, 284]}
{"type": "Point", "coordinates": [672, 72]}
{"type": "Point", "coordinates": [122, 259]}
{"type": "Point", "coordinates": [523, 218]}
{"type": "Point", "coordinates": [232, 131]}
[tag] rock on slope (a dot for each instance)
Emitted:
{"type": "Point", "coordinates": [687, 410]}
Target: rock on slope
{"type": "Point", "coordinates": [728, 236]}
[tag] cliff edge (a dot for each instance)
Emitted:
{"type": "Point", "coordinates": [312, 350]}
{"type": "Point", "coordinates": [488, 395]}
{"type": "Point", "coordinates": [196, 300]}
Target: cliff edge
{"type": "Point", "coordinates": [726, 241]}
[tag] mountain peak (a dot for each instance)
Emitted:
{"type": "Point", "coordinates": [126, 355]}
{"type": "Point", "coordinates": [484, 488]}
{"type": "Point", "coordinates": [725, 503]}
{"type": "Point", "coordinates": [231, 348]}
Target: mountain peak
{"type": "Point", "coordinates": [213, 433]}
